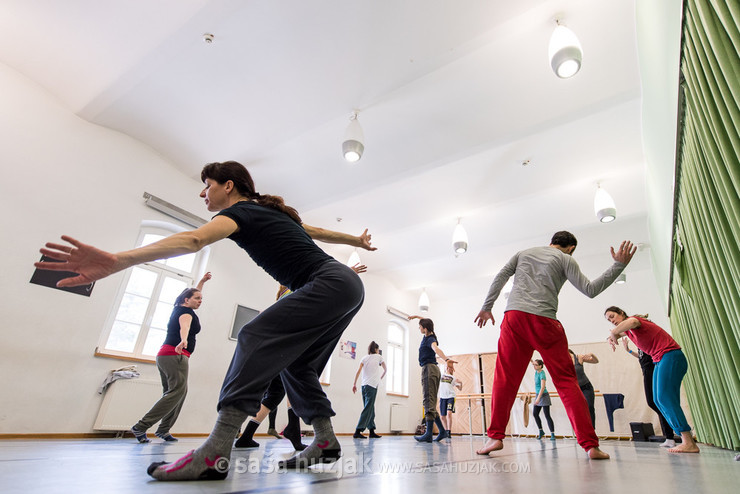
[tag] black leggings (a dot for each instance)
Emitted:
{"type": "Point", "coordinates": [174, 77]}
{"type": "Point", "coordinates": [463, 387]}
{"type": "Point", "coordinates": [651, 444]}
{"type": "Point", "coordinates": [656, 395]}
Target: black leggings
{"type": "Point", "coordinates": [589, 394]}
{"type": "Point", "coordinates": [536, 413]}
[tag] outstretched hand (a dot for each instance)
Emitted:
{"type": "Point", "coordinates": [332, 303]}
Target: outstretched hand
{"type": "Point", "coordinates": [483, 317]}
{"type": "Point", "coordinates": [365, 241]}
{"type": "Point", "coordinates": [613, 341]}
{"type": "Point", "coordinates": [90, 263]}
{"type": "Point", "coordinates": [359, 268]}
{"type": "Point", "coordinates": [624, 253]}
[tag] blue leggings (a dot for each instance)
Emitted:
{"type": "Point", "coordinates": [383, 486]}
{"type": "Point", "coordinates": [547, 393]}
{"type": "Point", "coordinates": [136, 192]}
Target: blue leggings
{"type": "Point", "coordinates": [667, 379]}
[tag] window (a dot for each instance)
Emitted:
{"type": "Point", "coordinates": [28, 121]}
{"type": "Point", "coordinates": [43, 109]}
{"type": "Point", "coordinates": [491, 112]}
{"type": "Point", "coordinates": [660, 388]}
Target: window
{"type": "Point", "coordinates": [137, 325]}
{"type": "Point", "coordinates": [397, 378]}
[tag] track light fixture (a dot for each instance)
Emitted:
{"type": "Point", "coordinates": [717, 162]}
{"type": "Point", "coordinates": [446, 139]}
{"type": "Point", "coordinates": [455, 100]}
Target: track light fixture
{"type": "Point", "coordinates": [606, 210]}
{"type": "Point", "coordinates": [565, 52]}
{"type": "Point", "coordinates": [353, 145]}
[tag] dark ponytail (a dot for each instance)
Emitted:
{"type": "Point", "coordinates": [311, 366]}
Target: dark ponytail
{"type": "Point", "coordinates": [616, 310]}
{"type": "Point", "coordinates": [428, 324]}
{"type": "Point", "coordinates": [238, 174]}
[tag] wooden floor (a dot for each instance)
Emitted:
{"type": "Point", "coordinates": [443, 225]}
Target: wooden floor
{"type": "Point", "coordinates": [390, 465]}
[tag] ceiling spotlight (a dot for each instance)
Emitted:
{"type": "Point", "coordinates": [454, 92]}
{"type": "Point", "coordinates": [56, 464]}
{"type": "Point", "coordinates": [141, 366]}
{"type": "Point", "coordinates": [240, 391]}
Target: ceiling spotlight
{"type": "Point", "coordinates": [353, 146]}
{"type": "Point", "coordinates": [459, 239]}
{"type": "Point", "coordinates": [565, 52]}
{"type": "Point", "coordinates": [208, 38]}
{"type": "Point", "coordinates": [606, 210]}
{"type": "Point", "coordinates": [424, 301]}
{"type": "Point", "coordinates": [622, 278]}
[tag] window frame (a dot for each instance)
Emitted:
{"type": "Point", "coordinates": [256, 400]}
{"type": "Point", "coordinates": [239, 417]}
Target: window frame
{"type": "Point", "coordinates": [163, 272]}
{"type": "Point", "coordinates": [403, 351]}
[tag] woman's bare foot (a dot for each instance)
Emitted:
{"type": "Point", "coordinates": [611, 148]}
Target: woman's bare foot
{"type": "Point", "coordinates": [688, 445]}
{"type": "Point", "coordinates": [491, 445]}
{"type": "Point", "coordinates": [685, 448]}
{"type": "Point", "coordinates": [597, 454]}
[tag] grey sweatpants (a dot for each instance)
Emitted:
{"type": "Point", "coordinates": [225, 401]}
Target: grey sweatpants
{"type": "Point", "coordinates": [294, 338]}
{"type": "Point", "coordinates": [430, 377]}
{"type": "Point", "coordinates": [173, 369]}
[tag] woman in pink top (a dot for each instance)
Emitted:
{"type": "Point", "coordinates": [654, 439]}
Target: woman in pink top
{"type": "Point", "coordinates": [670, 367]}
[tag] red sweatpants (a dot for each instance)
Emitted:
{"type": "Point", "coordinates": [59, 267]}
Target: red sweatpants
{"type": "Point", "coordinates": [521, 334]}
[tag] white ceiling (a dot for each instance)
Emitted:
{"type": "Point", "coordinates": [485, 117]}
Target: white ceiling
{"type": "Point", "coordinates": [453, 97]}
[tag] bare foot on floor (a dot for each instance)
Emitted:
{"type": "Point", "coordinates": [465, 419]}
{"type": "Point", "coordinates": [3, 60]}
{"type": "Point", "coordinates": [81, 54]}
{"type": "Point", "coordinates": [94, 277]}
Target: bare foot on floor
{"type": "Point", "coordinates": [685, 448]}
{"type": "Point", "coordinates": [491, 445]}
{"type": "Point", "coordinates": [597, 454]}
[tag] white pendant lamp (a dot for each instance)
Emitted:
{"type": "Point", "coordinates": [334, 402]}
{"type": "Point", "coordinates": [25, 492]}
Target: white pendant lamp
{"type": "Point", "coordinates": [424, 301]}
{"type": "Point", "coordinates": [459, 239]}
{"type": "Point", "coordinates": [354, 259]}
{"type": "Point", "coordinates": [606, 210]}
{"type": "Point", "coordinates": [354, 139]}
{"type": "Point", "coordinates": [565, 52]}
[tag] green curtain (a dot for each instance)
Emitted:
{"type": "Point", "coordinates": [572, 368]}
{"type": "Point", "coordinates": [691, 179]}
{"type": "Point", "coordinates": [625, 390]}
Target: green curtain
{"type": "Point", "coordinates": [705, 300]}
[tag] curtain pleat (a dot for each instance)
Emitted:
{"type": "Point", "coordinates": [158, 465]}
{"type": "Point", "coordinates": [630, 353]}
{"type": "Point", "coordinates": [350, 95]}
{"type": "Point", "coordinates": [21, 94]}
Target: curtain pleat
{"type": "Point", "coordinates": [705, 300]}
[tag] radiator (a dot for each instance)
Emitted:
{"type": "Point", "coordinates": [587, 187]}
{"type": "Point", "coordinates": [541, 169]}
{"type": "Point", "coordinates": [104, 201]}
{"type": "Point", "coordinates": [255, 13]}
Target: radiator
{"type": "Point", "coordinates": [399, 417]}
{"type": "Point", "coordinates": [125, 402]}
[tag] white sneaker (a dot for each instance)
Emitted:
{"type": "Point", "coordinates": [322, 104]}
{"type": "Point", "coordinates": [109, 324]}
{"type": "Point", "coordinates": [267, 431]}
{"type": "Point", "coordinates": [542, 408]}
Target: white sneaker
{"type": "Point", "coordinates": [669, 443]}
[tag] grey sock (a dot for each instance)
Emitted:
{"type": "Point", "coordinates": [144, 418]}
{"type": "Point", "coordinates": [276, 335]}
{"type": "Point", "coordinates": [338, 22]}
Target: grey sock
{"type": "Point", "coordinates": [324, 442]}
{"type": "Point", "coordinates": [211, 460]}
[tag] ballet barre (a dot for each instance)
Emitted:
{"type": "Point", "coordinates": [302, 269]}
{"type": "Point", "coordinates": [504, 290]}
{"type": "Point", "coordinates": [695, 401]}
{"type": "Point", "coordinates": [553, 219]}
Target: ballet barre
{"type": "Point", "coordinates": [482, 396]}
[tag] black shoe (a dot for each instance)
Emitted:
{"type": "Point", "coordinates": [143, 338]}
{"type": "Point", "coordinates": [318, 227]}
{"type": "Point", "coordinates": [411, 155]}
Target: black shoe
{"type": "Point", "coordinates": [245, 442]}
{"type": "Point", "coordinates": [358, 435]}
{"type": "Point", "coordinates": [297, 463]}
{"type": "Point", "coordinates": [373, 435]}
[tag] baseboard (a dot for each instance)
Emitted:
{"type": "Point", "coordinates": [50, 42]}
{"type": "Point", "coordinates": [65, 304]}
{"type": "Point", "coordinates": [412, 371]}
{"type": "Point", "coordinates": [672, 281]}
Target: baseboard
{"type": "Point", "coordinates": [83, 435]}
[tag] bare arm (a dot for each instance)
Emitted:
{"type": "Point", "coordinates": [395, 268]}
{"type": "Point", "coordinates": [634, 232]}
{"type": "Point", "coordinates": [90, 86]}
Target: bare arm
{"type": "Point", "coordinates": [590, 358]}
{"type": "Point", "coordinates": [354, 384]}
{"type": "Point", "coordinates": [332, 237]}
{"type": "Point", "coordinates": [620, 329]}
{"type": "Point", "coordinates": [440, 353]}
{"type": "Point", "coordinates": [385, 369]}
{"type": "Point", "coordinates": [91, 263]}
{"type": "Point", "coordinates": [627, 348]}
{"type": "Point", "coordinates": [185, 320]}
{"type": "Point", "coordinates": [203, 280]}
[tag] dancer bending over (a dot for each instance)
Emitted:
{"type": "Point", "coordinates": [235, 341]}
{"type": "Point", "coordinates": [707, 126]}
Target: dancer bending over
{"type": "Point", "coordinates": [670, 367]}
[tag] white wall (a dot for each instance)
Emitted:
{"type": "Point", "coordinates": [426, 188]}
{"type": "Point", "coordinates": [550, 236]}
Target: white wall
{"type": "Point", "coordinates": [63, 175]}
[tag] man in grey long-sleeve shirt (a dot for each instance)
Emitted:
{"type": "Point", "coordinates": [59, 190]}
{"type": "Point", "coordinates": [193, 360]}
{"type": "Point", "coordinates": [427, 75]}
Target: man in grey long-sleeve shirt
{"type": "Point", "coordinates": [529, 324]}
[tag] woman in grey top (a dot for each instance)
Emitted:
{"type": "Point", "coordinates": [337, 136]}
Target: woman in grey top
{"type": "Point", "coordinates": [583, 382]}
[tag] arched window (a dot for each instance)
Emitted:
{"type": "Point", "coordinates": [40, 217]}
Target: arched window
{"type": "Point", "coordinates": [137, 325]}
{"type": "Point", "coordinates": [397, 378]}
